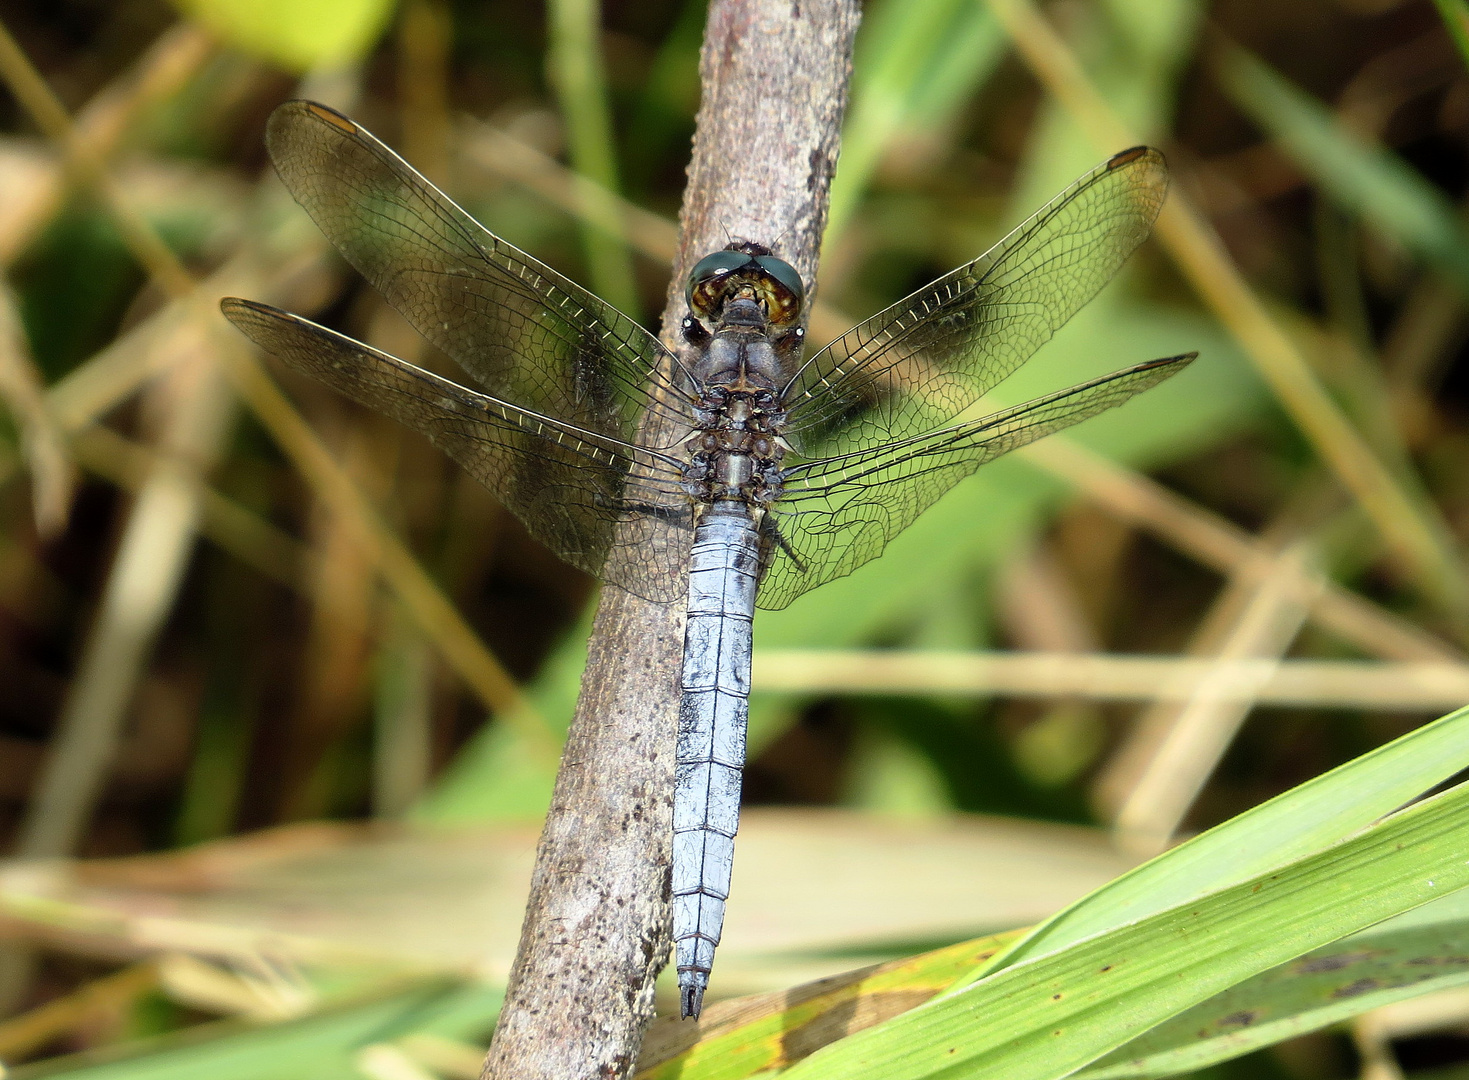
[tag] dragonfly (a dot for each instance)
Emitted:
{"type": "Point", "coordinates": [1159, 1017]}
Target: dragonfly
{"type": "Point", "coordinates": [729, 472]}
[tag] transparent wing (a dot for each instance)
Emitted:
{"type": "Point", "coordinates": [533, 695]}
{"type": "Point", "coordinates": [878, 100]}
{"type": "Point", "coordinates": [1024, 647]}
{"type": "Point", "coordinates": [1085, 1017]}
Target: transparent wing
{"type": "Point", "coordinates": [840, 512]}
{"type": "Point", "coordinates": [578, 492]}
{"type": "Point", "coordinates": [921, 362]}
{"type": "Point", "coordinates": [525, 333]}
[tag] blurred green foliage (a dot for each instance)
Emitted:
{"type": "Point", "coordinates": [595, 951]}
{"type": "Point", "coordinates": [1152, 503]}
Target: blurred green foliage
{"type": "Point", "coordinates": [298, 36]}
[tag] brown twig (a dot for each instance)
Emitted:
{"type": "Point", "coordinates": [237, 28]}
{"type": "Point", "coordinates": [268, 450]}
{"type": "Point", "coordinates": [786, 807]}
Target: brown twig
{"type": "Point", "coordinates": [596, 935]}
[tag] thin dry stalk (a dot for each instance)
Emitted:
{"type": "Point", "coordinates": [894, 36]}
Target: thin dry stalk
{"type": "Point", "coordinates": [384, 1061]}
{"type": "Point", "coordinates": [240, 531]}
{"type": "Point", "coordinates": [1101, 677]}
{"type": "Point", "coordinates": [25, 1034]}
{"type": "Point", "coordinates": [440, 621]}
{"type": "Point", "coordinates": [1038, 608]}
{"type": "Point", "coordinates": [425, 34]}
{"type": "Point", "coordinates": [1409, 525]}
{"type": "Point", "coordinates": [1219, 543]}
{"type": "Point", "coordinates": [1374, 1050]}
{"type": "Point", "coordinates": [116, 372]}
{"type": "Point", "coordinates": [596, 930]}
{"type": "Point", "coordinates": [488, 147]}
{"type": "Point", "coordinates": [1041, 611]}
{"type": "Point", "coordinates": [578, 76]}
{"type": "Point", "coordinates": [1446, 1010]}
{"type": "Point", "coordinates": [140, 592]}
{"type": "Point", "coordinates": [402, 756]}
{"type": "Point", "coordinates": [83, 160]}
{"type": "Point", "coordinates": [161, 72]}
{"type": "Point", "coordinates": [21, 388]}
{"type": "Point", "coordinates": [1142, 758]}
{"type": "Point", "coordinates": [1259, 620]}
{"type": "Point", "coordinates": [1429, 326]}
{"type": "Point", "coordinates": [403, 667]}
{"type": "Point", "coordinates": [338, 644]}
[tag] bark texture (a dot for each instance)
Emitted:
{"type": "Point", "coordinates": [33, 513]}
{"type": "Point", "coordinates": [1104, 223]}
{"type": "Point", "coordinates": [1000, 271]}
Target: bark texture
{"type": "Point", "coordinates": [596, 933]}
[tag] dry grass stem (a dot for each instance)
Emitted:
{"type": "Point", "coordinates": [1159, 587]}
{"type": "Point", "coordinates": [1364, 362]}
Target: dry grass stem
{"type": "Point", "coordinates": [1222, 545]}
{"type": "Point", "coordinates": [22, 1035]}
{"type": "Point", "coordinates": [1446, 1010]}
{"type": "Point", "coordinates": [431, 609]}
{"type": "Point", "coordinates": [177, 55]}
{"type": "Point", "coordinates": [487, 147]}
{"type": "Point", "coordinates": [1344, 684]}
{"type": "Point", "coordinates": [1374, 1050]}
{"type": "Point", "coordinates": [140, 591]}
{"type": "Point", "coordinates": [113, 374]}
{"type": "Point", "coordinates": [42, 443]}
{"type": "Point", "coordinates": [1256, 619]}
{"type": "Point", "coordinates": [241, 532]}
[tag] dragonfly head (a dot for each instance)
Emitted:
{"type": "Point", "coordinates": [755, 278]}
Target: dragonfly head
{"type": "Point", "coordinates": [742, 280]}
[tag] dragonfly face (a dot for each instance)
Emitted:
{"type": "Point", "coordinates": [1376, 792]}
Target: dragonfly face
{"type": "Point", "coordinates": [752, 272]}
{"type": "Point", "coordinates": [783, 473]}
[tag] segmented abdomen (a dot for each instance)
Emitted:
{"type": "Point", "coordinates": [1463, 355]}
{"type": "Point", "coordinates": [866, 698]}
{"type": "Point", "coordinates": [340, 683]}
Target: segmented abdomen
{"type": "Point", "coordinates": [723, 575]}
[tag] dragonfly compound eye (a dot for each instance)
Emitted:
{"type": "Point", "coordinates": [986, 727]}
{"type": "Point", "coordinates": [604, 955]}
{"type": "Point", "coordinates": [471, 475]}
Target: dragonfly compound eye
{"type": "Point", "coordinates": [786, 275]}
{"type": "Point", "coordinates": [773, 280]}
{"type": "Point", "coordinates": [710, 279]}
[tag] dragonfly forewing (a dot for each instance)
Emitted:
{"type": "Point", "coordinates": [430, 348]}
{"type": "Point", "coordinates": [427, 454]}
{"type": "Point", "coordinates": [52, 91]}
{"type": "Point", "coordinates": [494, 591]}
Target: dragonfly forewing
{"type": "Point", "coordinates": [577, 491]}
{"type": "Point", "coordinates": [524, 332]}
{"type": "Point", "coordinates": [916, 365]}
{"type": "Point", "coordinates": [840, 512]}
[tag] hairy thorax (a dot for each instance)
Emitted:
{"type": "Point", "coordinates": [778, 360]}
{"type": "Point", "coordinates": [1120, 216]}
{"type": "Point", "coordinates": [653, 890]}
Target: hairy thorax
{"type": "Point", "coordinates": [735, 447]}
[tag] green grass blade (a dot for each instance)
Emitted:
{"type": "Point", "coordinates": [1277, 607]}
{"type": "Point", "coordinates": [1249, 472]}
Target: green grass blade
{"type": "Point", "coordinates": [1390, 962]}
{"type": "Point", "coordinates": [579, 78]}
{"type": "Point", "coordinates": [1366, 179]}
{"type": "Point", "coordinates": [1051, 1016]}
{"type": "Point", "coordinates": [1419, 953]}
{"type": "Point", "coordinates": [915, 64]}
{"type": "Point", "coordinates": [1304, 820]}
{"type": "Point", "coordinates": [773, 1031]}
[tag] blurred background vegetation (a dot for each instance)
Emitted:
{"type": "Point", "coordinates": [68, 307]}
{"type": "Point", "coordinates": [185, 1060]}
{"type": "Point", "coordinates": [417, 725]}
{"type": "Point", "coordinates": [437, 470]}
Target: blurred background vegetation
{"type": "Point", "coordinates": [222, 609]}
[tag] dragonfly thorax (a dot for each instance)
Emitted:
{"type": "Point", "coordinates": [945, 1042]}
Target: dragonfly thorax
{"type": "Point", "coordinates": [735, 448]}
